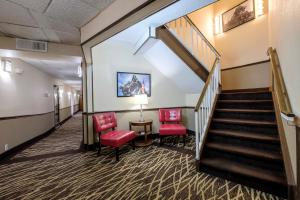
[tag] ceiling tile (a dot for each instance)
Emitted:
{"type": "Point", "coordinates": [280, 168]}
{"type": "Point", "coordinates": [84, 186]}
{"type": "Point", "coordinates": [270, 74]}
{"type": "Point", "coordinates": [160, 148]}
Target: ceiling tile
{"type": "Point", "coordinates": [73, 12]}
{"type": "Point", "coordinates": [69, 38]}
{"type": "Point", "coordinates": [15, 14]}
{"type": "Point", "coordinates": [23, 32]}
{"type": "Point", "coordinates": [99, 4]}
{"type": "Point", "coordinates": [38, 5]}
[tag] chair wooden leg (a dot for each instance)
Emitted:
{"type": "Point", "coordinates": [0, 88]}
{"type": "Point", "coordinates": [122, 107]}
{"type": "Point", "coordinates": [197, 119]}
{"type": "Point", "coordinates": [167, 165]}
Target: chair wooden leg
{"type": "Point", "coordinates": [99, 148]}
{"type": "Point", "coordinates": [117, 153]}
{"type": "Point", "coordinates": [133, 144]}
{"type": "Point", "coordinates": [184, 138]}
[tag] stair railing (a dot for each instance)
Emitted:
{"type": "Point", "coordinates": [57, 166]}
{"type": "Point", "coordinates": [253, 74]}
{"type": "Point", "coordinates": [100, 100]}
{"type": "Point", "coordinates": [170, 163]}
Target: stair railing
{"type": "Point", "coordinates": [193, 40]}
{"type": "Point", "coordinates": [205, 105]}
{"type": "Point", "coordinates": [278, 85]}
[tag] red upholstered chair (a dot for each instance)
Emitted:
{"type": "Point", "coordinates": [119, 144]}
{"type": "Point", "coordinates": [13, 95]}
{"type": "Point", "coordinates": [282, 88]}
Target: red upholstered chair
{"type": "Point", "coordinates": [170, 119]}
{"type": "Point", "coordinates": [114, 138]}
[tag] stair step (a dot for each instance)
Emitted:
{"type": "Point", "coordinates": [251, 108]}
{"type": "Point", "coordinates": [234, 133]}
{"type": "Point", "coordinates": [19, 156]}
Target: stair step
{"type": "Point", "coordinates": [246, 135]}
{"type": "Point", "coordinates": [245, 170]}
{"type": "Point", "coordinates": [252, 90]}
{"type": "Point", "coordinates": [246, 101]}
{"type": "Point", "coordinates": [245, 151]}
{"type": "Point", "coordinates": [245, 122]}
{"type": "Point", "coordinates": [244, 110]}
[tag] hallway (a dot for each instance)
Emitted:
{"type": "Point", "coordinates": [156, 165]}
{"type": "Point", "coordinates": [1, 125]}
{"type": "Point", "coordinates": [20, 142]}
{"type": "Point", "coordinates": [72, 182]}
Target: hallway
{"type": "Point", "coordinates": [56, 168]}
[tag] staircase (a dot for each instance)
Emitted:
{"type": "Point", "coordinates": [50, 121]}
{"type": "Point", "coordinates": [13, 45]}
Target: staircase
{"type": "Point", "coordinates": [243, 144]}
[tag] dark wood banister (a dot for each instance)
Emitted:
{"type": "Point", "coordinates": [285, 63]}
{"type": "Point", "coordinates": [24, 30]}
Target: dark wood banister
{"type": "Point", "coordinates": [203, 37]}
{"type": "Point", "coordinates": [206, 85]}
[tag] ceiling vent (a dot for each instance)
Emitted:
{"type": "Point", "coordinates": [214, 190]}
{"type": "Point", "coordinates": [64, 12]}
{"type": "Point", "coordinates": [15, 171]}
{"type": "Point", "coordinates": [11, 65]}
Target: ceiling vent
{"type": "Point", "coordinates": [31, 45]}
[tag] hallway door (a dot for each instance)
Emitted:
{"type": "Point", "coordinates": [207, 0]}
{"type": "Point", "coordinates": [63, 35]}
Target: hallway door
{"type": "Point", "coordinates": [56, 105]}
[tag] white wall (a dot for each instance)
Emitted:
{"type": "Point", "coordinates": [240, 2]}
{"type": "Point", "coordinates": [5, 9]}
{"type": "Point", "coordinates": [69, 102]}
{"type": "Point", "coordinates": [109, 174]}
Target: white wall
{"type": "Point", "coordinates": [25, 94]}
{"type": "Point", "coordinates": [284, 31]}
{"type": "Point", "coordinates": [108, 59]}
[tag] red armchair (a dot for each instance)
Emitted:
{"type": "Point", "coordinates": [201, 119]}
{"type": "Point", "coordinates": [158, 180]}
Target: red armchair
{"type": "Point", "coordinates": [114, 138]}
{"type": "Point", "coordinates": [170, 119]}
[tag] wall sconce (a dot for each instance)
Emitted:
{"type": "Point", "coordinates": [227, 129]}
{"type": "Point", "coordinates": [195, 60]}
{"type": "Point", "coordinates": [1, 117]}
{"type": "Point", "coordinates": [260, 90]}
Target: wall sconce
{"type": "Point", "coordinates": [79, 71]}
{"type": "Point", "coordinates": [260, 7]}
{"type": "Point", "coordinates": [218, 24]}
{"type": "Point", "coordinates": [6, 65]}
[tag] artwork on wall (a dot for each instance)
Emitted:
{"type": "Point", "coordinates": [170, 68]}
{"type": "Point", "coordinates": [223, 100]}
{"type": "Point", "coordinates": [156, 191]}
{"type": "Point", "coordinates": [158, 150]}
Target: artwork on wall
{"type": "Point", "coordinates": [130, 84]}
{"type": "Point", "coordinates": [238, 15]}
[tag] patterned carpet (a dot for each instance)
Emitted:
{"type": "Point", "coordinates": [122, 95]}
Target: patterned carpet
{"type": "Point", "coordinates": [55, 168]}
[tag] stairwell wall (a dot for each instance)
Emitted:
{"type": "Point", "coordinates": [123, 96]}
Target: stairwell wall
{"type": "Point", "coordinates": [284, 36]}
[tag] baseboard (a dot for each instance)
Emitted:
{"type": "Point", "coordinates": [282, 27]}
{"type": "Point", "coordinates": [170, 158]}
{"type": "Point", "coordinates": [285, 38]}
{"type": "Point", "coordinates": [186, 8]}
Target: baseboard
{"type": "Point", "coordinates": [65, 120]}
{"type": "Point", "coordinates": [13, 151]}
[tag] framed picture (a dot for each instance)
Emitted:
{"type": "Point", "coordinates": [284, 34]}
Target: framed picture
{"type": "Point", "coordinates": [238, 15]}
{"type": "Point", "coordinates": [130, 84]}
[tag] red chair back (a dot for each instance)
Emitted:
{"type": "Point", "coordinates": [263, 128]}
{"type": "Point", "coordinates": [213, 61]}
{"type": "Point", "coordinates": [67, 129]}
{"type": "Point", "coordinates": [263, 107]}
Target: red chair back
{"type": "Point", "coordinates": [104, 121]}
{"type": "Point", "coordinates": [170, 115]}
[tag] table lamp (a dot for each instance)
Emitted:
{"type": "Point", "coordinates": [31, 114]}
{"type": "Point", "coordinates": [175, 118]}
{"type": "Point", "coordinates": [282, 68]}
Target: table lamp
{"type": "Point", "coordinates": [141, 99]}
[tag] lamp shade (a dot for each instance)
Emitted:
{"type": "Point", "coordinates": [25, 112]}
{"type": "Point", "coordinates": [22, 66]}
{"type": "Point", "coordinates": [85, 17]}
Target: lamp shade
{"type": "Point", "coordinates": [141, 99]}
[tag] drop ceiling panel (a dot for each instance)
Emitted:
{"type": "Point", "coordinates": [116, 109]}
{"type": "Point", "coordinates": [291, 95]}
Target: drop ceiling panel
{"type": "Point", "coordinates": [100, 4]}
{"type": "Point", "coordinates": [38, 5]}
{"type": "Point", "coordinates": [73, 12]}
{"type": "Point", "coordinates": [23, 32]}
{"type": "Point", "coordinates": [69, 38]}
{"type": "Point", "coordinates": [15, 14]}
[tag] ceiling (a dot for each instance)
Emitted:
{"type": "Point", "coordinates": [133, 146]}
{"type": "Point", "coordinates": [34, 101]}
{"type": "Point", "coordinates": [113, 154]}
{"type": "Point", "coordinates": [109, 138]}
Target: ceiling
{"type": "Point", "coordinates": [48, 20]}
{"type": "Point", "coordinates": [63, 70]}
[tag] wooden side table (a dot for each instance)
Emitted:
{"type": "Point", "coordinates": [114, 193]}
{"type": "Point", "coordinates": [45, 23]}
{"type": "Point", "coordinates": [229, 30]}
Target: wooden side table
{"type": "Point", "coordinates": [147, 141]}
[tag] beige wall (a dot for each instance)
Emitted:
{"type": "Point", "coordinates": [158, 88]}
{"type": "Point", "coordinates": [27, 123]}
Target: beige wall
{"type": "Point", "coordinates": [204, 20]}
{"type": "Point", "coordinates": [284, 31]}
{"type": "Point", "coordinates": [254, 76]}
{"type": "Point", "coordinates": [242, 45]}
{"type": "Point", "coordinates": [17, 131]}
{"type": "Point", "coordinates": [64, 113]}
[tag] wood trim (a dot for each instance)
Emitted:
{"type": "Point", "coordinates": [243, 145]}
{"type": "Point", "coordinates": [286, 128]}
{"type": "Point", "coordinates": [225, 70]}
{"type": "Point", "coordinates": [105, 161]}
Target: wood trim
{"type": "Point", "coordinates": [284, 148]}
{"type": "Point", "coordinates": [137, 110]}
{"type": "Point", "coordinates": [172, 42]}
{"type": "Point", "coordinates": [246, 65]}
{"type": "Point", "coordinates": [23, 116]}
{"type": "Point", "coordinates": [298, 160]}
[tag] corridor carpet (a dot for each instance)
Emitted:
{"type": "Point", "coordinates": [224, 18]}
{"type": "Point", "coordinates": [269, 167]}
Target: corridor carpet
{"type": "Point", "coordinates": [56, 168]}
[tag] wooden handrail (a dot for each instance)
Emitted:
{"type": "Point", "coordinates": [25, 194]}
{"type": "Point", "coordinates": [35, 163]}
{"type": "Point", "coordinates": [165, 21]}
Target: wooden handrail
{"type": "Point", "coordinates": [203, 37]}
{"type": "Point", "coordinates": [206, 85]}
{"type": "Point", "coordinates": [278, 84]}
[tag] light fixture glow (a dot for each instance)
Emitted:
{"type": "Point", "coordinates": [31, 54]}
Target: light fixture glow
{"type": "Point", "coordinates": [218, 24]}
{"type": "Point", "coordinates": [260, 7]}
{"type": "Point", "coordinates": [6, 65]}
{"type": "Point", "coordinates": [79, 71]}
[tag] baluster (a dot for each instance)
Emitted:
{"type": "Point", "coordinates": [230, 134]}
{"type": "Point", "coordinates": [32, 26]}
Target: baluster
{"type": "Point", "coordinates": [181, 28]}
{"type": "Point", "coordinates": [197, 135]}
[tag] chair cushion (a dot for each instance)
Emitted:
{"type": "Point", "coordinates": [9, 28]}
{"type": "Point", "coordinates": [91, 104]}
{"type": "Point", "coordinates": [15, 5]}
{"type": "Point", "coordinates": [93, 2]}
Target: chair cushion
{"type": "Point", "coordinates": [170, 115]}
{"type": "Point", "coordinates": [117, 138]}
{"type": "Point", "coordinates": [172, 129]}
{"type": "Point", "coordinates": [104, 121]}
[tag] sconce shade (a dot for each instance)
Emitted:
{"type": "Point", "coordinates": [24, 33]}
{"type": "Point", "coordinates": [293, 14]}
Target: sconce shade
{"type": "Point", "coordinates": [141, 99]}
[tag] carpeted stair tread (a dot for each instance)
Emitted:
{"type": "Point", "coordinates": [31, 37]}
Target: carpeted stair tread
{"type": "Point", "coordinates": [244, 110]}
{"type": "Point", "coordinates": [245, 92]}
{"type": "Point", "coordinates": [250, 90]}
{"type": "Point", "coordinates": [245, 170]}
{"type": "Point", "coordinates": [246, 151]}
{"type": "Point", "coordinates": [245, 122]}
{"type": "Point", "coordinates": [246, 101]}
{"type": "Point", "coordinates": [245, 135]}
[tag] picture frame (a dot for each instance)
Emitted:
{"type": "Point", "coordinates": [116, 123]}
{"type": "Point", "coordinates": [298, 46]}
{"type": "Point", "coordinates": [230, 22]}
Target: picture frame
{"type": "Point", "coordinates": [238, 15]}
{"type": "Point", "coordinates": [130, 84]}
